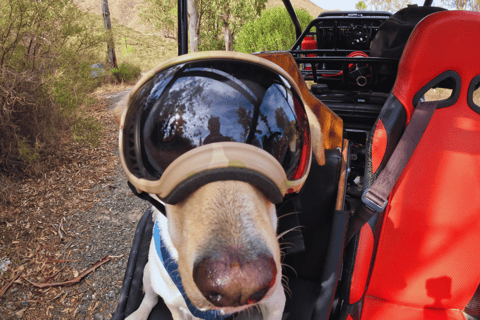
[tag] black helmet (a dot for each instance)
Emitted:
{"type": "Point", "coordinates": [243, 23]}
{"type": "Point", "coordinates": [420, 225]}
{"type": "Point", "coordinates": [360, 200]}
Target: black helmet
{"type": "Point", "coordinates": [213, 116]}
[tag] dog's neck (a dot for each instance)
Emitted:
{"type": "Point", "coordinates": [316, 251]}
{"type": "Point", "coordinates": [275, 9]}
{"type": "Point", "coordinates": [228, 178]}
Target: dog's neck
{"type": "Point", "coordinates": [171, 266]}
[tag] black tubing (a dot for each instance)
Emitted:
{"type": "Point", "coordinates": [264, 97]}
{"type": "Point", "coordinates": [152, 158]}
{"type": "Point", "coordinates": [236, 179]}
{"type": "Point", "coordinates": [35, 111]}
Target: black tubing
{"type": "Point", "coordinates": [293, 16]}
{"type": "Point", "coordinates": [333, 265]}
{"type": "Point", "coordinates": [131, 264]}
{"type": "Point", "coordinates": [182, 27]}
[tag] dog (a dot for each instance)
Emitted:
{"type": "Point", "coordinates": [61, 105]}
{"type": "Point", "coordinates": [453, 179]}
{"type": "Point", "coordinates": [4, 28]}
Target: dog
{"type": "Point", "coordinates": [221, 241]}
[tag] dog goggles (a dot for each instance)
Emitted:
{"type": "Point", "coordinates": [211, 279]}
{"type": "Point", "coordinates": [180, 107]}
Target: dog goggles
{"type": "Point", "coordinates": [215, 116]}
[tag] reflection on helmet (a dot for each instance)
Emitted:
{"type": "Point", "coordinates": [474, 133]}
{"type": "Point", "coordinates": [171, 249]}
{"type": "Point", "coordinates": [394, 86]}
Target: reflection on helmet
{"type": "Point", "coordinates": [208, 101]}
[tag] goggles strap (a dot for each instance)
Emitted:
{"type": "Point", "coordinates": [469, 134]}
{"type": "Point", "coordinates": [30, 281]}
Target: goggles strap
{"type": "Point", "coordinates": [147, 197]}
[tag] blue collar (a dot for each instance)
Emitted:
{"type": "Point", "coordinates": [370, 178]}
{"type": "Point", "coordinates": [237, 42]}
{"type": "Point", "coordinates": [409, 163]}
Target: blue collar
{"type": "Point", "coordinates": [172, 268]}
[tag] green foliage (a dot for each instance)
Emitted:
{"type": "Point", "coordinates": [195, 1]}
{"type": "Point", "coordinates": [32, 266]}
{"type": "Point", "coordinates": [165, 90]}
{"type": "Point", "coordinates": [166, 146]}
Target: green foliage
{"type": "Point", "coordinates": [471, 5]}
{"type": "Point", "coordinates": [274, 30]}
{"type": "Point", "coordinates": [46, 49]}
{"type": "Point", "coordinates": [360, 5]}
{"type": "Point", "coordinates": [162, 16]}
{"type": "Point", "coordinates": [144, 50]}
{"type": "Point", "coordinates": [388, 5]}
{"type": "Point", "coordinates": [214, 15]}
{"type": "Point", "coordinates": [87, 130]}
{"type": "Point", "coordinates": [26, 152]}
{"type": "Point", "coordinates": [125, 47]}
{"type": "Point", "coordinates": [224, 14]}
{"type": "Point", "coordinates": [126, 72]}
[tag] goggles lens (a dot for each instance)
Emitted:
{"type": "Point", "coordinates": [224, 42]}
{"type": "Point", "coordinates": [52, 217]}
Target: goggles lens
{"type": "Point", "coordinates": [207, 101]}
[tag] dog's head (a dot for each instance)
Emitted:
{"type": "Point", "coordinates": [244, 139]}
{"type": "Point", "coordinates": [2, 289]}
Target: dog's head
{"type": "Point", "coordinates": [221, 139]}
{"type": "Point", "coordinates": [228, 254]}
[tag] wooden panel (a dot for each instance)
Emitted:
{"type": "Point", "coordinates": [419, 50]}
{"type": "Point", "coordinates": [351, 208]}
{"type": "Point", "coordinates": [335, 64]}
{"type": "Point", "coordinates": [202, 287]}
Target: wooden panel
{"type": "Point", "coordinates": [343, 178]}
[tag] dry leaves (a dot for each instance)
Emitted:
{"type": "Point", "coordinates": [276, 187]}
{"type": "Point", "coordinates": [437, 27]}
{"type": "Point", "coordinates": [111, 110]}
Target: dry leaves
{"type": "Point", "coordinates": [77, 278]}
{"type": "Point", "coordinates": [36, 232]}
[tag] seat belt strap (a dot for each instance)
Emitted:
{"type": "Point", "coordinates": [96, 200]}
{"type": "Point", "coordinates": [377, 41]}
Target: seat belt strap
{"type": "Point", "coordinates": [375, 198]}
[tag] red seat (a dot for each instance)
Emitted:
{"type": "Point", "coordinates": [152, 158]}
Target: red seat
{"type": "Point", "coordinates": [420, 259]}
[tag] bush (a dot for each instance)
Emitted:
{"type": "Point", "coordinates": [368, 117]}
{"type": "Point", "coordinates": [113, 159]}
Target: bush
{"type": "Point", "coordinates": [126, 72]}
{"type": "Point", "coordinates": [46, 50]}
{"type": "Point", "coordinates": [273, 31]}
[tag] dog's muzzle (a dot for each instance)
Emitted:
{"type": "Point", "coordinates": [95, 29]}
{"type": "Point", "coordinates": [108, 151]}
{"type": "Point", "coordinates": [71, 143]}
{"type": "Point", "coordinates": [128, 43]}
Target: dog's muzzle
{"type": "Point", "coordinates": [227, 278]}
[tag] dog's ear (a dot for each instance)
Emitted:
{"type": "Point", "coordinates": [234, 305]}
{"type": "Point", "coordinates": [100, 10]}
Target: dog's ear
{"type": "Point", "coordinates": [120, 108]}
{"type": "Point", "coordinates": [316, 135]}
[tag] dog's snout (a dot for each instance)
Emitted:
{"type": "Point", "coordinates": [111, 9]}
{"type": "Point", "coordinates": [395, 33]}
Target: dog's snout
{"type": "Point", "coordinates": [228, 279]}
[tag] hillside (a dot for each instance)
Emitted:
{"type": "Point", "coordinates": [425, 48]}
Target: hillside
{"type": "Point", "coordinates": [126, 11]}
{"type": "Point", "coordinates": [311, 7]}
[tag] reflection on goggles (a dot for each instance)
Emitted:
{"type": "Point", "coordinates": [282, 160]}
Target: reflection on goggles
{"type": "Point", "coordinates": [202, 102]}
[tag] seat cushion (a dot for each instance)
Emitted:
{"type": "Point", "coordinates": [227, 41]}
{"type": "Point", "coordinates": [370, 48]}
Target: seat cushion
{"type": "Point", "coordinates": [380, 309]}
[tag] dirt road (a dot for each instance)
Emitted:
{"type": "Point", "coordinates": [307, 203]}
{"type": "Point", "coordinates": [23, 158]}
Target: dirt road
{"type": "Point", "coordinates": [74, 217]}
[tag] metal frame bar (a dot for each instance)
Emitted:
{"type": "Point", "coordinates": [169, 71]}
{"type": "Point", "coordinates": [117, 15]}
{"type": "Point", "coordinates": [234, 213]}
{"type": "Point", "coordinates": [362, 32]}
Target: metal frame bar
{"type": "Point", "coordinates": [182, 36]}
{"type": "Point", "coordinates": [293, 16]}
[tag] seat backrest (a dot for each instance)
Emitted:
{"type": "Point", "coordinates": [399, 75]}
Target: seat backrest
{"type": "Point", "coordinates": [419, 259]}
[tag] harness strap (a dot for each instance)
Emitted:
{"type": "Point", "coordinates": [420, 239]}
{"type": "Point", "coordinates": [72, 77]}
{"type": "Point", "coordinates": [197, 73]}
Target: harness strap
{"type": "Point", "coordinates": [172, 268]}
{"type": "Point", "coordinates": [375, 198]}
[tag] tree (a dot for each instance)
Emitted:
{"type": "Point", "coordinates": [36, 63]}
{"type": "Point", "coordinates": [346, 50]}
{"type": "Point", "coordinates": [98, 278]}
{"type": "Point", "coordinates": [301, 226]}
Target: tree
{"type": "Point", "coordinates": [388, 5]}
{"type": "Point", "coordinates": [112, 58]}
{"type": "Point", "coordinates": [213, 24]}
{"type": "Point", "coordinates": [193, 24]}
{"type": "Point", "coordinates": [471, 5]}
{"type": "Point", "coordinates": [227, 17]}
{"type": "Point", "coordinates": [162, 16]}
{"type": "Point", "coordinates": [361, 5]}
{"type": "Point", "coordinates": [274, 30]}
{"type": "Point", "coordinates": [46, 49]}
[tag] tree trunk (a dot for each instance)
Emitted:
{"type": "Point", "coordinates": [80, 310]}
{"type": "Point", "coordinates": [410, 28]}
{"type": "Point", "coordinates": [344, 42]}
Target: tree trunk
{"type": "Point", "coordinates": [112, 58]}
{"type": "Point", "coordinates": [193, 25]}
{"type": "Point", "coordinates": [227, 34]}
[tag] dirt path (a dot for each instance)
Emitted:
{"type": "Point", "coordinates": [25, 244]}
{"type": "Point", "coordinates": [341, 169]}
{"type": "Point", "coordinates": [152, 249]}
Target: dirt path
{"type": "Point", "coordinates": [77, 215]}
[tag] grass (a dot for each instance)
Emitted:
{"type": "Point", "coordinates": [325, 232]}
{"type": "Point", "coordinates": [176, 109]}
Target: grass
{"type": "Point", "coordinates": [143, 50]}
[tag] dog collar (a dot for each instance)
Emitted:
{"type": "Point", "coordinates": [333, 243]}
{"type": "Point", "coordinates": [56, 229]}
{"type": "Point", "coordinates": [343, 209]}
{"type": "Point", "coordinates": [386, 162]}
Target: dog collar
{"type": "Point", "coordinates": [172, 268]}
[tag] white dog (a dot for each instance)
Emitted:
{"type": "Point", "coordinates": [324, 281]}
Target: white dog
{"type": "Point", "coordinates": [225, 224]}
{"type": "Point", "coordinates": [220, 246]}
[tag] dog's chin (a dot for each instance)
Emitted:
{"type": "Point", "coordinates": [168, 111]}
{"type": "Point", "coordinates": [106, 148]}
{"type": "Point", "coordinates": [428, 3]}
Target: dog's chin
{"type": "Point", "coordinates": [229, 310]}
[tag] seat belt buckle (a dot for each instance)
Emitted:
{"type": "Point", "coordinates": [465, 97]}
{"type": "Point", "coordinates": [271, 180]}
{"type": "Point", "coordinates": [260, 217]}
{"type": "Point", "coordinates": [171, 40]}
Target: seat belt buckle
{"type": "Point", "coordinates": [371, 204]}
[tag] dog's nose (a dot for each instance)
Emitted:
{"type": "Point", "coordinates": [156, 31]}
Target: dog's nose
{"type": "Point", "coordinates": [228, 279]}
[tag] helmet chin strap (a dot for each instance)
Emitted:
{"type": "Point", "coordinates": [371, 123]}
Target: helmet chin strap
{"type": "Point", "coordinates": [145, 196]}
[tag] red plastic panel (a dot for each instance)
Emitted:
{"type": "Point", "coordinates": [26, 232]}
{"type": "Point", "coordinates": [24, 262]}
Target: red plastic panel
{"type": "Point", "coordinates": [428, 254]}
{"type": "Point", "coordinates": [376, 309]}
{"type": "Point", "coordinates": [349, 317]}
{"type": "Point", "coordinates": [379, 145]}
{"type": "Point", "coordinates": [362, 264]}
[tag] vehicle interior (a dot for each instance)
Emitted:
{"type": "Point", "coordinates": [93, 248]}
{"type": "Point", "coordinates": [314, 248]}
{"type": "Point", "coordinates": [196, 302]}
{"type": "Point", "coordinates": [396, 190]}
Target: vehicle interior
{"type": "Point", "coordinates": [416, 259]}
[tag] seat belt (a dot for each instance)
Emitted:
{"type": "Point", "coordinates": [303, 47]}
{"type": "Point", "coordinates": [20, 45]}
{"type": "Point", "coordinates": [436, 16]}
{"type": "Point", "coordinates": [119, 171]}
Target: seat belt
{"type": "Point", "coordinates": [375, 198]}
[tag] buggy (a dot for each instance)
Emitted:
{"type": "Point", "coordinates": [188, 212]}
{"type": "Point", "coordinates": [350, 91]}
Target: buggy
{"type": "Point", "coordinates": [411, 252]}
